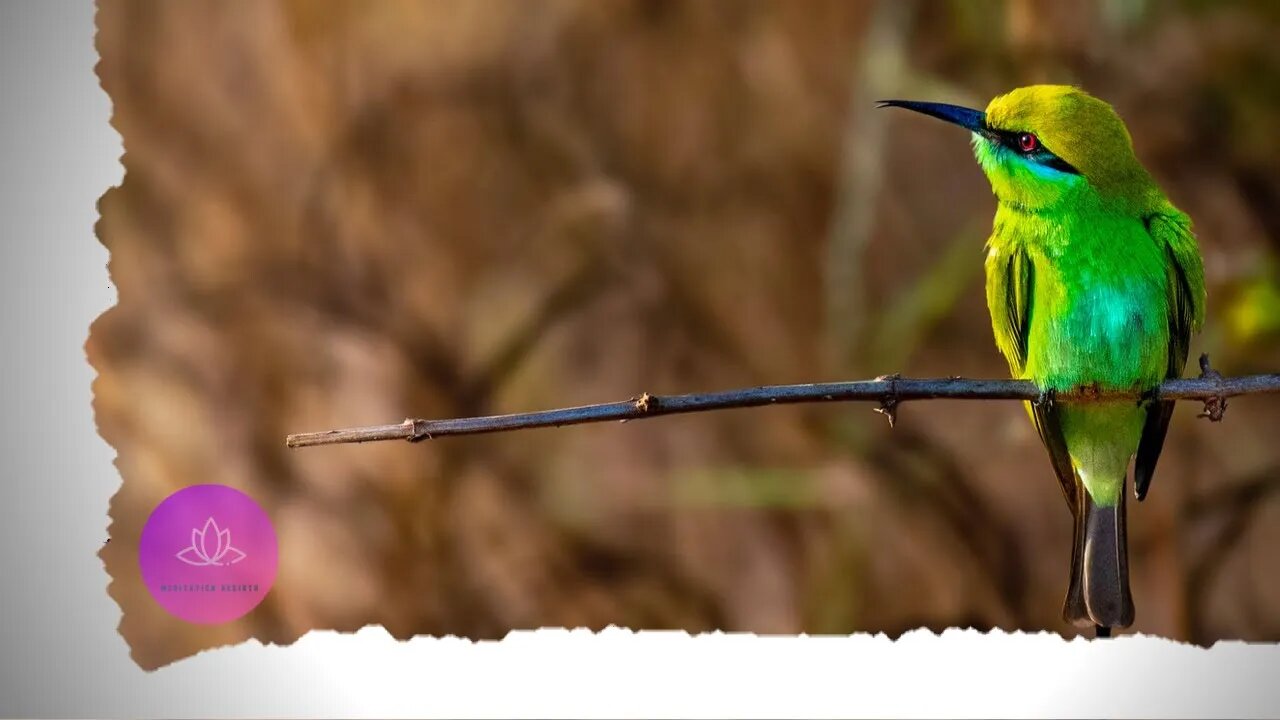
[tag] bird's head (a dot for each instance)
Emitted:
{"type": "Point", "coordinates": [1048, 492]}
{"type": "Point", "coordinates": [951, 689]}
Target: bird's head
{"type": "Point", "coordinates": [1043, 145]}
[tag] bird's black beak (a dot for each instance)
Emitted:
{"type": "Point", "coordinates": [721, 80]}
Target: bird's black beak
{"type": "Point", "coordinates": [973, 120]}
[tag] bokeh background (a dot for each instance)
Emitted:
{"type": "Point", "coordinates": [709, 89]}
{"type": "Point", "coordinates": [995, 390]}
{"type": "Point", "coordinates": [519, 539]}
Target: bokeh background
{"type": "Point", "coordinates": [340, 213]}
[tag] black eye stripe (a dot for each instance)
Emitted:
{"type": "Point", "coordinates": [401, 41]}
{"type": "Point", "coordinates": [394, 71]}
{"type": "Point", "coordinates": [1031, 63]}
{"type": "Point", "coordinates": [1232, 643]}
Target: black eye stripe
{"type": "Point", "coordinates": [1011, 140]}
{"type": "Point", "coordinates": [1040, 155]}
{"type": "Point", "coordinates": [1058, 164]}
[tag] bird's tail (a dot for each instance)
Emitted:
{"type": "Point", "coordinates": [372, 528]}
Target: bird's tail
{"type": "Point", "coordinates": [1098, 595]}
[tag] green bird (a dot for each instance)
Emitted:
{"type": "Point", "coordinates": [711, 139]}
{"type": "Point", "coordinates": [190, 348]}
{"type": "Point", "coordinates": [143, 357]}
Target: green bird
{"type": "Point", "coordinates": [1093, 279]}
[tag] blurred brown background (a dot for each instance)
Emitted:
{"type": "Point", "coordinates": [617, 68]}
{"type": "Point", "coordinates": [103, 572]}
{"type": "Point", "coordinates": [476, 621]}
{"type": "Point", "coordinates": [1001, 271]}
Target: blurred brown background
{"type": "Point", "coordinates": [343, 213]}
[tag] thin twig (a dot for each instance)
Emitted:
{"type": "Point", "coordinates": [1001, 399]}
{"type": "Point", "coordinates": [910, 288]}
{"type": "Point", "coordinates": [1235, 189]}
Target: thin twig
{"type": "Point", "coordinates": [888, 391]}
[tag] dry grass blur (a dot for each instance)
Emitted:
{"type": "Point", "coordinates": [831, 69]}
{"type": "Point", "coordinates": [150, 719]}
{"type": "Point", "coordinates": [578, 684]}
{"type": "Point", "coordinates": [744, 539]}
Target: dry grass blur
{"type": "Point", "coordinates": [341, 213]}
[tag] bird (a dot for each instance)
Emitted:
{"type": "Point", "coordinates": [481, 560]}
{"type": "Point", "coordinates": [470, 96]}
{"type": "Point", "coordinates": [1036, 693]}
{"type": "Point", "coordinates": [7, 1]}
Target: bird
{"type": "Point", "coordinates": [1094, 279]}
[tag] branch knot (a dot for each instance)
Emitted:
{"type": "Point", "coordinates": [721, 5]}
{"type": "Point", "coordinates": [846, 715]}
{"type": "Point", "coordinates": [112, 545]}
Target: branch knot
{"type": "Point", "coordinates": [420, 430]}
{"type": "Point", "coordinates": [646, 402]}
{"type": "Point", "coordinates": [889, 403]}
{"type": "Point", "coordinates": [1215, 406]}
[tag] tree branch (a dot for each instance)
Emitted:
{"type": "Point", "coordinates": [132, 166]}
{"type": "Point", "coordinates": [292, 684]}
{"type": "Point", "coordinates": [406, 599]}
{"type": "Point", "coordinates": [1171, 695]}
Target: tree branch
{"type": "Point", "coordinates": [888, 391]}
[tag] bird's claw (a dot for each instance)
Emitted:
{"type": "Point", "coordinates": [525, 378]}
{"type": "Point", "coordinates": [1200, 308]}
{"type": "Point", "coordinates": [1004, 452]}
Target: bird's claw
{"type": "Point", "coordinates": [1047, 398]}
{"type": "Point", "coordinates": [1149, 397]}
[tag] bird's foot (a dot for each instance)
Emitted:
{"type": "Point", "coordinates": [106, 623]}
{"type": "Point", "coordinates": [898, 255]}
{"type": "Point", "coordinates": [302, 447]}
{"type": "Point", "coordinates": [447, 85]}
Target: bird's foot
{"type": "Point", "coordinates": [1047, 398]}
{"type": "Point", "coordinates": [1149, 397]}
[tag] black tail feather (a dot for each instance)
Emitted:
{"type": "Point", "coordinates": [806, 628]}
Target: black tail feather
{"type": "Point", "coordinates": [1074, 609]}
{"type": "Point", "coordinates": [1098, 594]}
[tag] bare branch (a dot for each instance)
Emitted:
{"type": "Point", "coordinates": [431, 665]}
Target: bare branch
{"type": "Point", "coordinates": [888, 392]}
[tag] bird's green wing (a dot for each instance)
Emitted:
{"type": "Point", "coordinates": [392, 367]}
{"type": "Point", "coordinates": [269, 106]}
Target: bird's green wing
{"type": "Point", "coordinates": [1172, 233]}
{"type": "Point", "coordinates": [1010, 282]}
{"type": "Point", "coordinates": [1010, 289]}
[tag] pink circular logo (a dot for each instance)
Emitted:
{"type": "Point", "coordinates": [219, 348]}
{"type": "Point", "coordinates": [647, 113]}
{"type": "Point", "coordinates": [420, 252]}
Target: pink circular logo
{"type": "Point", "coordinates": [208, 554]}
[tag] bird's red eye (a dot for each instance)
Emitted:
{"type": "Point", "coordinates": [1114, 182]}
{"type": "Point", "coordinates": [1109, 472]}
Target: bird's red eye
{"type": "Point", "coordinates": [1028, 142]}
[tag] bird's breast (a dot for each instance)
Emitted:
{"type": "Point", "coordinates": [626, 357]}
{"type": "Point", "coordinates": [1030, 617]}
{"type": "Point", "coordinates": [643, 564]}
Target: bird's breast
{"type": "Point", "coordinates": [1099, 313]}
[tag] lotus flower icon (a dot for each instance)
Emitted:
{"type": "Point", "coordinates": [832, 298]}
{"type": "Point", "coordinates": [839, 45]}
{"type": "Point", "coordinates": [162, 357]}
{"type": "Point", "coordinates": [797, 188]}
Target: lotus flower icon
{"type": "Point", "coordinates": [210, 545]}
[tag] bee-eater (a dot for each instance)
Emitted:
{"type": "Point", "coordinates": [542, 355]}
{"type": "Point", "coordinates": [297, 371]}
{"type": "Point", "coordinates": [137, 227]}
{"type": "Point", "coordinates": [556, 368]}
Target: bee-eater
{"type": "Point", "coordinates": [1093, 279]}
